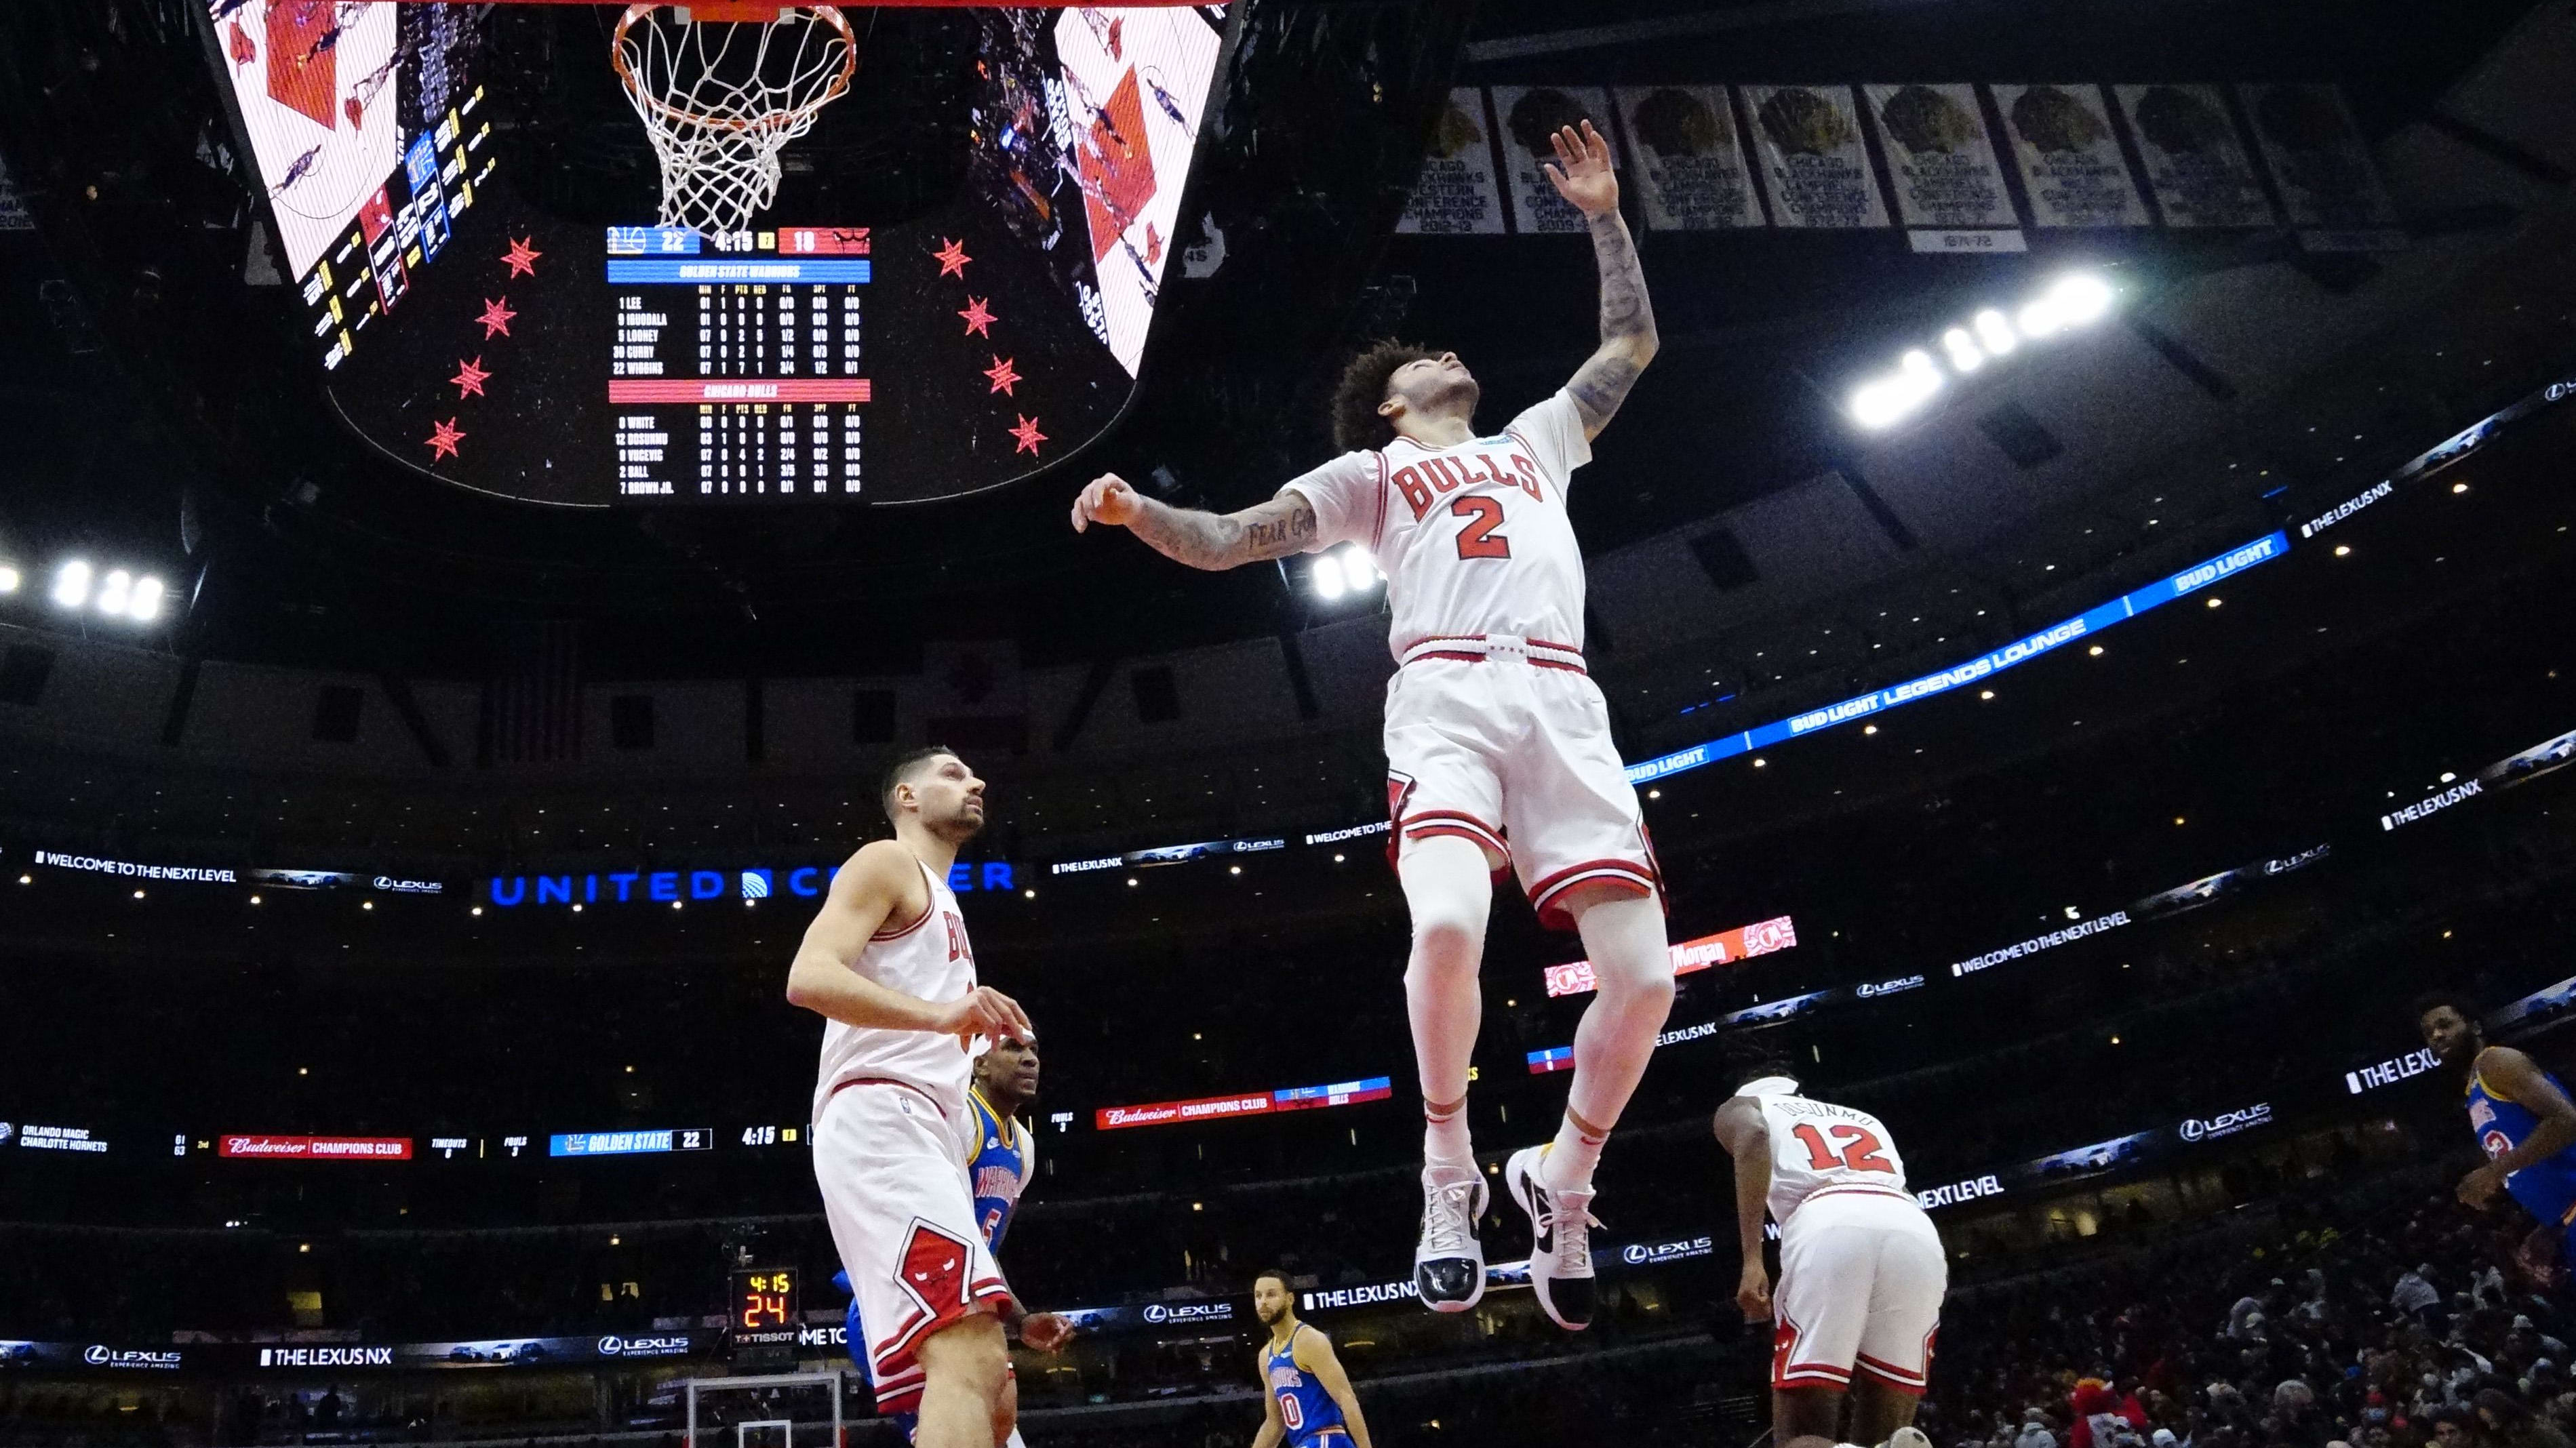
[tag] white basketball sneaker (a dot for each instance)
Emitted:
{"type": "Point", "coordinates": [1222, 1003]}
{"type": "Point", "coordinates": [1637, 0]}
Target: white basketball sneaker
{"type": "Point", "coordinates": [1448, 1262]}
{"type": "Point", "coordinates": [1560, 1240]}
{"type": "Point", "coordinates": [1908, 1436]}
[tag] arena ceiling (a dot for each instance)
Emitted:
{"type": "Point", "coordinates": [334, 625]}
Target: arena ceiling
{"type": "Point", "coordinates": [159, 407]}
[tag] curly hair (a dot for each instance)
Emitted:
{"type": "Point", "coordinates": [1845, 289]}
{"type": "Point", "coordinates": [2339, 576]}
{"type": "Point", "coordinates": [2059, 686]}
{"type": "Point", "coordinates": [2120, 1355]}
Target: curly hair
{"type": "Point", "coordinates": [1357, 427]}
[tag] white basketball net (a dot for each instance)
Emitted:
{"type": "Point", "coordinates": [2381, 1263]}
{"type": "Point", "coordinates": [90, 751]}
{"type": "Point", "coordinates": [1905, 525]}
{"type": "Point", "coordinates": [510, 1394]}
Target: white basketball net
{"type": "Point", "coordinates": [722, 98]}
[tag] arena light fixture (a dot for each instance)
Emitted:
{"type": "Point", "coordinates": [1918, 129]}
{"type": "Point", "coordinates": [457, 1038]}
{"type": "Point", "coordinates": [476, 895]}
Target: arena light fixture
{"type": "Point", "coordinates": [1326, 578]}
{"type": "Point", "coordinates": [2070, 300]}
{"type": "Point", "coordinates": [1358, 569]}
{"type": "Point", "coordinates": [115, 591]}
{"type": "Point", "coordinates": [71, 584]}
{"type": "Point", "coordinates": [9, 578]}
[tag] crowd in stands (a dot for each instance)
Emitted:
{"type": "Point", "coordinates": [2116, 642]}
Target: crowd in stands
{"type": "Point", "coordinates": [2388, 1316]}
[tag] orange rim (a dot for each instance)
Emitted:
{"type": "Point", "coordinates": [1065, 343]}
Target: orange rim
{"type": "Point", "coordinates": [737, 11]}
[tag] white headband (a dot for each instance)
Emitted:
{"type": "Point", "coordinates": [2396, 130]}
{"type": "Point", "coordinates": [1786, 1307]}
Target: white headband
{"type": "Point", "coordinates": [1769, 1086]}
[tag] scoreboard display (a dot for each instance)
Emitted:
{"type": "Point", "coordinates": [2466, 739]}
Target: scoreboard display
{"type": "Point", "coordinates": [471, 334]}
{"type": "Point", "coordinates": [738, 372]}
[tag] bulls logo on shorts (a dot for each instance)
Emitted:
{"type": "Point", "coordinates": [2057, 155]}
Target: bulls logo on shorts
{"type": "Point", "coordinates": [933, 1272]}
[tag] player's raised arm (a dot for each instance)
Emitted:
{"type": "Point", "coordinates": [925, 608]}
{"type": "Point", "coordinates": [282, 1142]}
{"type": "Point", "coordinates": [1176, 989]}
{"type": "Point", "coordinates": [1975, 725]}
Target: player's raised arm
{"type": "Point", "coordinates": [1583, 176]}
{"type": "Point", "coordinates": [1741, 1131]}
{"type": "Point", "coordinates": [1213, 541]}
{"type": "Point", "coordinates": [1272, 1429]}
{"type": "Point", "coordinates": [1315, 1355]}
{"type": "Point", "coordinates": [2515, 1077]}
{"type": "Point", "coordinates": [877, 885]}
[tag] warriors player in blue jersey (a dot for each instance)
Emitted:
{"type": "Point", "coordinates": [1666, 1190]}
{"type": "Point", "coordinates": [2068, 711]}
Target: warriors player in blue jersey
{"type": "Point", "coordinates": [2523, 1120]}
{"type": "Point", "coordinates": [1005, 1082]}
{"type": "Point", "coordinates": [1307, 1400]}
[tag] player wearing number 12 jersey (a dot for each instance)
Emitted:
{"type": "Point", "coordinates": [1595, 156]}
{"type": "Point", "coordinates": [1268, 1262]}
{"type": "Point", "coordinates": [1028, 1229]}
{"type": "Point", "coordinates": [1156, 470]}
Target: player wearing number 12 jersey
{"type": "Point", "coordinates": [1497, 741]}
{"type": "Point", "coordinates": [1861, 1268]}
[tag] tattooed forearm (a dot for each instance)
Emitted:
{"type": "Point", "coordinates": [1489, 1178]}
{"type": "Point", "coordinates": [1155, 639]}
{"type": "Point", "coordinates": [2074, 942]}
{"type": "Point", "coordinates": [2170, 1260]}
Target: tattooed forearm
{"type": "Point", "coordinates": [1275, 529]}
{"type": "Point", "coordinates": [1628, 340]}
{"type": "Point", "coordinates": [1625, 311]}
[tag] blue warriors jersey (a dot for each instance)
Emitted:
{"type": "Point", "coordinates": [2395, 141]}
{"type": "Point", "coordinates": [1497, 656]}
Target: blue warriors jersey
{"type": "Point", "coordinates": [1000, 1166]}
{"type": "Point", "coordinates": [2546, 1188]}
{"type": "Point", "coordinates": [1310, 1415]}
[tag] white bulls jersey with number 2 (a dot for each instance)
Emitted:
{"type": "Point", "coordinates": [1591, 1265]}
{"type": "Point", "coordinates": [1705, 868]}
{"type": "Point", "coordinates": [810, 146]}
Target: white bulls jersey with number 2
{"type": "Point", "coordinates": [1473, 539]}
{"type": "Point", "coordinates": [929, 960]}
{"type": "Point", "coordinates": [1816, 1145]}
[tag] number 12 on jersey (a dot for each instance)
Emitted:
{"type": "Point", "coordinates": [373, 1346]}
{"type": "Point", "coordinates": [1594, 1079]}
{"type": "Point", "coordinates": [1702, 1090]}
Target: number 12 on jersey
{"type": "Point", "coordinates": [1855, 1148]}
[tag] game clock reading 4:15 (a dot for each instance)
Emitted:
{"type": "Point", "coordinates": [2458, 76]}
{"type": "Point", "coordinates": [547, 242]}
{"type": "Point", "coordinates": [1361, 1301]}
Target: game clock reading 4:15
{"type": "Point", "coordinates": [764, 1299]}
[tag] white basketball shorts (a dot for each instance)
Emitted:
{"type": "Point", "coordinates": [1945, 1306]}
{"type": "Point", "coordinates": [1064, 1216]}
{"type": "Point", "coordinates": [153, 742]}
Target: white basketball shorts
{"type": "Point", "coordinates": [1861, 1279]}
{"type": "Point", "coordinates": [891, 1160]}
{"type": "Point", "coordinates": [1510, 747]}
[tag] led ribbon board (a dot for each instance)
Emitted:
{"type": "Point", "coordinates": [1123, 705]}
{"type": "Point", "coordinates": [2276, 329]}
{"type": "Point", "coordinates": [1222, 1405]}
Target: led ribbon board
{"type": "Point", "coordinates": [2020, 651]}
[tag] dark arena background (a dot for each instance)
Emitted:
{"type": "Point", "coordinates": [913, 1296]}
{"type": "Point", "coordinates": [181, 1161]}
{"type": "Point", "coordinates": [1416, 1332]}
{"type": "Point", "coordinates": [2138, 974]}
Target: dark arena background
{"type": "Point", "coordinates": [2084, 595]}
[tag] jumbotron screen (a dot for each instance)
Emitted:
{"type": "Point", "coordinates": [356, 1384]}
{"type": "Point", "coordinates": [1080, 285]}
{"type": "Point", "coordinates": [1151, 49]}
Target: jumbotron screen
{"type": "Point", "coordinates": [478, 339]}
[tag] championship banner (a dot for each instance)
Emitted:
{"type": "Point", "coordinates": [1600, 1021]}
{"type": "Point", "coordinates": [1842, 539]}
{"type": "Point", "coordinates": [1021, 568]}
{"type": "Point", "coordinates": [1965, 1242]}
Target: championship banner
{"type": "Point", "coordinates": [2071, 166]}
{"type": "Point", "coordinates": [1808, 138]}
{"type": "Point", "coordinates": [1529, 115]}
{"type": "Point", "coordinates": [1940, 156]}
{"type": "Point", "coordinates": [1690, 171]}
{"type": "Point", "coordinates": [1456, 193]}
{"type": "Point", "coordinates": [1255, 1103]}
{"type": "Point", "coordinates": [2196, 163]}
{"type": "Point", "coordinates": [1741, 943]}
{"type": "Point", "coordinates": [2324, 168]}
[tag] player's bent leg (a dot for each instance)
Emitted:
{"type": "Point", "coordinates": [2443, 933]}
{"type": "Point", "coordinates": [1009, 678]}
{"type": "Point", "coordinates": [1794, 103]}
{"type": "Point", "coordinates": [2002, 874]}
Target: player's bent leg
{"type": "Point", "coordinates": [1806, 1417]}
{"type": "Point", "coordinates": [1006, 1423]}
{"type": "Point", "coordinates": [965, 1369]}
{"type": "Point", "coordinates": [1623, 934]}
{"type": "Point", "coordinates": [1449, 891]}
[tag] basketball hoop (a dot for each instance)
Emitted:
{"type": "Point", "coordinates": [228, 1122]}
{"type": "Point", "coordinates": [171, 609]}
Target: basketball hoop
{"type": "Point", "coordinates": [722, 88]}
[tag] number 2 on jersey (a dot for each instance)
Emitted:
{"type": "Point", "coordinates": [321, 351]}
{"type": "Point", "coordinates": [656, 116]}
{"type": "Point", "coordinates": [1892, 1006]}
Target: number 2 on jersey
{"type": "Point", "coordinates": [1855, 1147]}
{"type": "Point", "coordinates": [1478, 539]}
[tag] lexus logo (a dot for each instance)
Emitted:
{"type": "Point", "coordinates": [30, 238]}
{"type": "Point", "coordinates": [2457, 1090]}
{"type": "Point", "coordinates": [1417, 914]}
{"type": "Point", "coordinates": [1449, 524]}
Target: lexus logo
{"type": "Point", "coordinates": [1193, 1312]}
{"type": "Point", "coordinates": [611, 1346]}
{"type": "Point", "coordinates": [95, 1356]}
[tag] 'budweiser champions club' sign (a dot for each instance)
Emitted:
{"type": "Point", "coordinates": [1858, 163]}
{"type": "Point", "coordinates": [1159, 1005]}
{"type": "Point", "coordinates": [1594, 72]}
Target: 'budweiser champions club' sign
{"type": "Point", "coordinates": [315, 1148]}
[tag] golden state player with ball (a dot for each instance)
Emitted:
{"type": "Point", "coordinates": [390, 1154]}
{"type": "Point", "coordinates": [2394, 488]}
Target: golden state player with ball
{"type": "Point", "coordinates": [1497, 741]}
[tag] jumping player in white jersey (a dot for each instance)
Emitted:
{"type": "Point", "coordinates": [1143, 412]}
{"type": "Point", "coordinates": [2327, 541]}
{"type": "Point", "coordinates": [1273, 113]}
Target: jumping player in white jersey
{"type": "Point", "coordinates": [1861, 1268]}
{"type": "Point", "coordinates": [887, 965]}
{"type": "Point", "coordinates": [1497, 742]}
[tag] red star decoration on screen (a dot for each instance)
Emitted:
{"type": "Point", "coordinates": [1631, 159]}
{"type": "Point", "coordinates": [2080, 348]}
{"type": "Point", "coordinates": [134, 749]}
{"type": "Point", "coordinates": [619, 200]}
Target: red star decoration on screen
{"type": "Point", "coordinates": [521, 258]}
{"type": "Point", "coordinates": [442, 441]}
{"type": "Point", "coordinates": [496, 317]}
{"type": "Point", "coordinates": [469, 378]}
{"type": "Point", "coordinates": [1004, 376]}
{"type": "Point", "coordinates": [1028, 435]}
{"type": "Point", "coordinates": [952, 258]}
{"type": "Point", "coordinates": [979, 318]}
